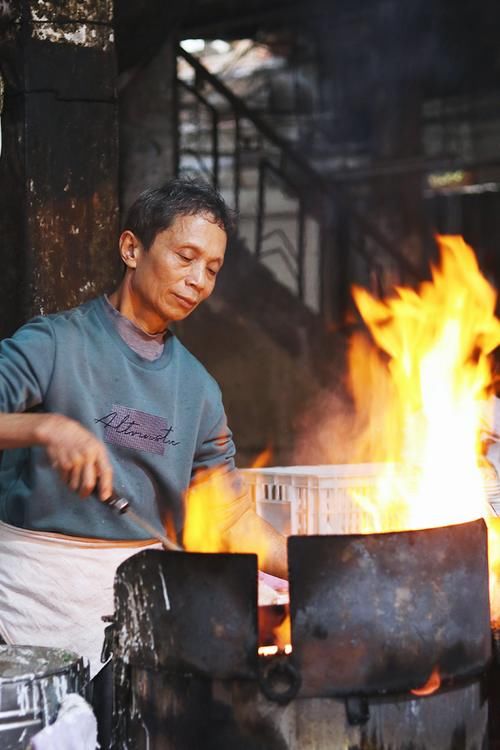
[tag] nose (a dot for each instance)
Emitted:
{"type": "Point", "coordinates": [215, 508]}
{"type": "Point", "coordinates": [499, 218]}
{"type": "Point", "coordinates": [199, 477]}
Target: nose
{"type": "Point", "coordinates": [196, 276]}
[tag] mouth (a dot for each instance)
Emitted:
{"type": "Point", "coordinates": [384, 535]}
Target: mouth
{"type": "Point", "coordinates": [185, 302]}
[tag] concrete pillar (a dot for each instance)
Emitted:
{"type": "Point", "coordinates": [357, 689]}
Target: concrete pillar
{"type": "Point", "coordinates": [148, 124]}
{"type": "Point", "coordinates": [59, 163]}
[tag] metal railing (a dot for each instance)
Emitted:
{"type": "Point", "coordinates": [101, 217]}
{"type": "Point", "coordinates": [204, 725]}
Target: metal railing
{"type": "Point", "coordinates": [219, 136]}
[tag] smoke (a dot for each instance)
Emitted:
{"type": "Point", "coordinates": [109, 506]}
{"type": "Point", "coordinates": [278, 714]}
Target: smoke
{"type": "Point", "coordinates": [351, 422]}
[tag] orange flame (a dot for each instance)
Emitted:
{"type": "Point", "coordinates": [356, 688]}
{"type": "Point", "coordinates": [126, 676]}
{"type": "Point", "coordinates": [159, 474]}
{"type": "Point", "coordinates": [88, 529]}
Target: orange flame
{"type": "Point", "coordinates": [432, 385]}
{"type": "Point", "coordinates": [282, 639]}
{"type": "Point", "coordinates": [207, 502]}
{"type": "Point", "coordinates": [263, 458]}
{"type": "Point", "coordinates": [430, 380]}
{"type": "Point", "coordinates": [283, 635]}
{"type": "Point", "coordinates": [432, 684]}
{"type": "Point", "coordinates": [211, 525]}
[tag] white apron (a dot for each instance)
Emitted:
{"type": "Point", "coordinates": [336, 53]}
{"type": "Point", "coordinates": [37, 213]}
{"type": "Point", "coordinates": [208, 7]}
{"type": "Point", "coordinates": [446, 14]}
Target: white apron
{"type": "Point", "coordinates": [54, 589]}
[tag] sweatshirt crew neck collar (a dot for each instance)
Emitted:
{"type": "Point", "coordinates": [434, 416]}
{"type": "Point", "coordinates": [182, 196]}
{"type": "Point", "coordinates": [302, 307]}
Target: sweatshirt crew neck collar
{"type": "Point", "coordinates": [106, 318]}
{"type": "Point", "coordinates": [146, 345]}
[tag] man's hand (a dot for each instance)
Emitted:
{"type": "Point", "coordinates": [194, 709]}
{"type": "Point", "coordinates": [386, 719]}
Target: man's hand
{"type": "Point", "coordinates": [251, 533]}
{"type": "Point", "coordinates": [80, 458]}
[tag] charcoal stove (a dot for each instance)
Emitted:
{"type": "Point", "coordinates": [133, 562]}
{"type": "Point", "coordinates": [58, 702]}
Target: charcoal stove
{"type": "Point", "coordinates": [372, 617]}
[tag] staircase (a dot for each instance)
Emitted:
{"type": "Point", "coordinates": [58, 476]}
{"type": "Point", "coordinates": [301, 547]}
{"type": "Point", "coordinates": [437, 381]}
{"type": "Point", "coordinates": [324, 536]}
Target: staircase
{"type": "Point", "coordinates": [292, 217]}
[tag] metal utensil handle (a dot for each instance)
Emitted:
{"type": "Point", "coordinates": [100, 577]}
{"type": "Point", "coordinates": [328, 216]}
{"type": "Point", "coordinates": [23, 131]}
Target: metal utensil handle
{"type": "Point", "coordinates": [118, 503]}
{"type": "Point", "coordinates": [121, 505]}
{"type": "Point", "coordinates": [166, 542]}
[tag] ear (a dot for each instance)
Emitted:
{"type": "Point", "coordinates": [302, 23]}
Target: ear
{"type": "Point", "coordinates": [130, 248]}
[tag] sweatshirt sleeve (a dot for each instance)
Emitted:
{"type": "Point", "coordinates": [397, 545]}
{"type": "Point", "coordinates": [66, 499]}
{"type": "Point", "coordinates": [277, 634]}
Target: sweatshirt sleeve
{"type": "Point", "coordinates": [216, 450]}
{"type": "Point", "coordinates": [215, 447]}
{"type": "Point", "coordinates": [26, 364]}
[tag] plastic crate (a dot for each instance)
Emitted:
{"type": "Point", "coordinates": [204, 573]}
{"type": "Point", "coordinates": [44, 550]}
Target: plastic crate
{"type": "Point", "coordinates": [313, 499]}
{"type": "Point", "coordinates": [319, 499]}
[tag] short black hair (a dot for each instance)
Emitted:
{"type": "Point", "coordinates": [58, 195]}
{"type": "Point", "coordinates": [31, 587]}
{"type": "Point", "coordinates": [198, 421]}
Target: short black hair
{"type": "Point", "coordinates": [157, 208]}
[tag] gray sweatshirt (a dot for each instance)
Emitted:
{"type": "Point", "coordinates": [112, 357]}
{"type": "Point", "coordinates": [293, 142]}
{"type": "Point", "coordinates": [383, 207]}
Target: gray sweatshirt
{"type": "Point", "coordinates": [161, 420]}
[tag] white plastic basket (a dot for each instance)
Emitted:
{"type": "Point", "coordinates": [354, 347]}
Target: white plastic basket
{"type": "Point", "coordinates": [313, 499]}
{"type": "Point", "coordinates": [319, 499]}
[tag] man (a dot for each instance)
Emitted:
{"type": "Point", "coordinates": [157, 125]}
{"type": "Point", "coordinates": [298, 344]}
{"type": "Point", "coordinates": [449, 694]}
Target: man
{"type": "Point", "coordinates": [104, 397]}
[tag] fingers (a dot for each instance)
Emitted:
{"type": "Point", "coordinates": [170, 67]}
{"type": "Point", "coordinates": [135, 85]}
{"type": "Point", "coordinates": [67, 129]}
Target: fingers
{"type": "Point", "coordinates": [88, 480]}
{"type": "Point", "coordinates": [105, 477]}
{"type": "Point", "coordinates": [81, 460]}
{"type": "Point", "coordinates": [93, 475]}
{"type": "Point", "coordinates": [79, 474]}
{"type": "Point", "coordinates": [75, 476]}
{"type": "Point", "coordinates": [63, 466]}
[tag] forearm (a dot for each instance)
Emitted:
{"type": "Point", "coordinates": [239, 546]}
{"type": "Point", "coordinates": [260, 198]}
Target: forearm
{"type": "Point", "coordinates": [23, 430]}
{"type": "Point", "coordinates": [78, 455]}
{"type": "Point", "coordinates": [251, 533]}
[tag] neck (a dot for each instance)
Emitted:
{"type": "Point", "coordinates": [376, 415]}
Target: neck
{"type": "Point", "coordinates": [123, 301]}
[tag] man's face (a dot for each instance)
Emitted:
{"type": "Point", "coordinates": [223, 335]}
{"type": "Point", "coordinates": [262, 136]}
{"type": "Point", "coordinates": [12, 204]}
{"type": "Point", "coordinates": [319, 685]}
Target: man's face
{"type": "Point", "coordinates": [177, 272]}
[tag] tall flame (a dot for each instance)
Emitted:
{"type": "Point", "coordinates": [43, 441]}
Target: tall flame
{"type": "Point", "coordinates": [211, 525]}
{"type": "Point", "coordinates": [434, 380]}
{"type": "Point", "coordinates": [206, 503]}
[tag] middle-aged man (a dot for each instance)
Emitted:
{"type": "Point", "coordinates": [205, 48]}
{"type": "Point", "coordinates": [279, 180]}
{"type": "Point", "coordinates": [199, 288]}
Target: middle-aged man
{"type": "Point", "coordinates": [105, 397]}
